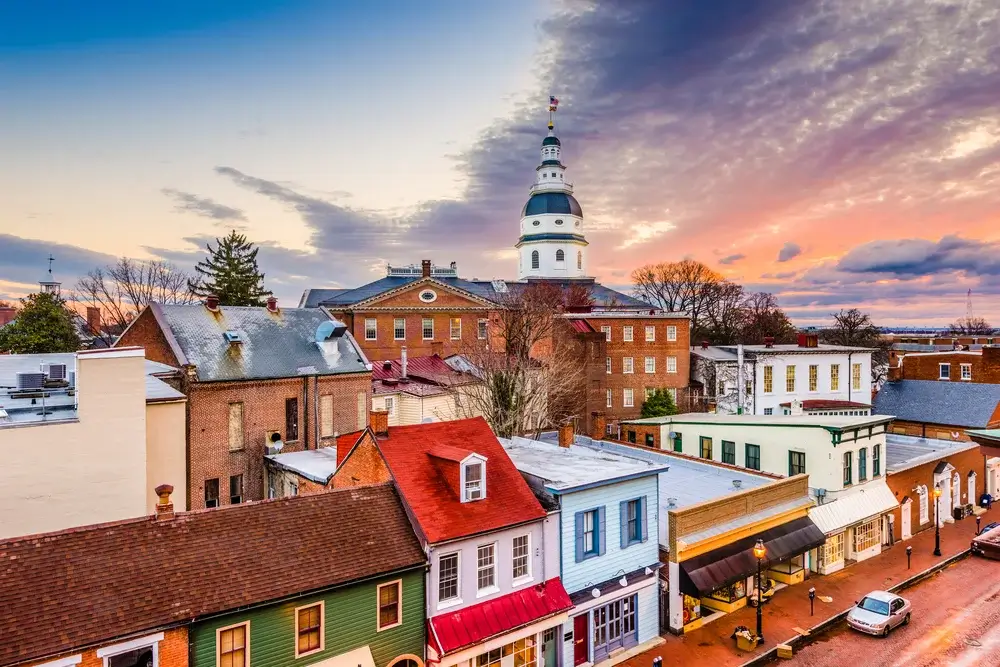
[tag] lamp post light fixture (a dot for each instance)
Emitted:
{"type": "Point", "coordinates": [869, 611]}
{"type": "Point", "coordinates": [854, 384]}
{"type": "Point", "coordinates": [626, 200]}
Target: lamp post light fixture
{"type": "Point", "coordinates": [909, 552]}
{"type": "Point", "coordinates": [759, 552]}
{"type": "Point", "coordinates": [812, 599]}
{"type": "Point", "coordinates": [937, 520]}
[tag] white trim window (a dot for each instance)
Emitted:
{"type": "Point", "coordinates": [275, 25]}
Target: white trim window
{"type": "Point", "coordinates": [606, 330]}
{"type": "Point", "coordinates": [486, 568]}
{"type": "Point", "coordinates": [481, 329]}
{"type": "Point", "coordinates": [608, 404]}
{"type": "Point", "coordinates": [650, 365]}
{"type": "Point", "coordinates": [371, 328]}
{"type": "Point", "coordinates": [627, 334]}
{"type": "Point", "coordinates": [833, 549]}
{"type": "Point", "coordinates": [866, 535]}
{"type": "Point", "coordinates": [456, 328]}
{"type": "Point", "coordinates": [140, 651]}
{"type": "Point", "coordinates": [627, 365]}
{"type": "Point", "coordinates": [427, 328]}
{"type": "Point", "coordinates": [671, 364]}
{"type": "Point", "coordinates": [448, 577]}
{"type": "Point", "coordinates": [309, 631]}
{"type": "Point", "coordinates": [627, 399]}
{"type": "Point", "coordinates": [473, 479]}
{"type": "Point", "coordinates": [856, 376]}
{"type": "Point", "coordinates": [232, 645]}
{"type": "Point", "coordinates": [68, 661]}
{"type": "Point", "coordinates": [390, 405]}
{"type": "Point", "coordinates": [399, 329]}
{"type": "Point", "coordinates": [521, 557]}
{"type": "Point", "coordinates": [966, 371]}
{"type": "Point", "coordinates": [607, 365]}
{"type": "Point", "coordinates": [671, 333]}
{"type": "Point", "coordinates": [390, 605]}
{"type": "Point", "coordinates": [650, 334]}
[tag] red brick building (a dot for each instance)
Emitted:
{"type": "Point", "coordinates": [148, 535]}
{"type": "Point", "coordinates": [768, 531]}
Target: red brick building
{"type": "Point", "coordinates": [253, 375]}
{"type": "Point", "coordinates": [982, 365]}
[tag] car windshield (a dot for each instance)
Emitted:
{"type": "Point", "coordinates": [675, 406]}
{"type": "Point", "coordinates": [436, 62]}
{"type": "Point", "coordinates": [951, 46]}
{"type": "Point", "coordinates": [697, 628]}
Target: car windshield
{"type": "Point", "coordinates": [875, 606]}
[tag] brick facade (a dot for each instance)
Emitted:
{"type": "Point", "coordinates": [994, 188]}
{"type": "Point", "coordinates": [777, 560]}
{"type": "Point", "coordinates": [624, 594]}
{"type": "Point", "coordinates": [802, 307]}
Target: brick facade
{"type": "Point", "coordinates": [938, 431]}
{"type": "Point", "coordinates": [984, 366]}
{"type": "Point", "coordinates": [173, 651]}
{"type": "Point", "coordinates": [364, 466]}
{"type": "Point", "coordinates": [145, 332]}
{"type": "Point", "coordinates": [209, 454]}
{"type": "Point", "coordinates": [904, 483]}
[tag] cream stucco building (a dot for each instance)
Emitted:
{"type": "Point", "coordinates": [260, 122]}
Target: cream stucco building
{"type": "Point", "coordinates": [86, 437]}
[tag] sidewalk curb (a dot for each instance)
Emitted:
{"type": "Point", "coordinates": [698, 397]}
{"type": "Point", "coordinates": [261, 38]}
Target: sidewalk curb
{"type": "Point", "coordinates": [772, 654]}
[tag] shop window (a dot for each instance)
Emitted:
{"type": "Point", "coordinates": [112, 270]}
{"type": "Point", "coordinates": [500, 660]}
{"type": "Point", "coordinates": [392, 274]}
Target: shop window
{"type": "Point", "coordinates": [692, 609]}
{"type": "Point", "coordinates": [866, 535]}
{"type": "Point", "coordinates": [731, 593]}
{"type": "Point", "coordinates": [833, 549]}
{"type": "Point", "coordinates": [523, 653]}
{"type": "Point", "coordinates": [615, 627]}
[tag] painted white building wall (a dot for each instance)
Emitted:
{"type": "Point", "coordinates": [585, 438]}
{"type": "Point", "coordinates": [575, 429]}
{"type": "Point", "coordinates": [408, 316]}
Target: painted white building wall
{"type": "Point", "coordinates": [846, 391]}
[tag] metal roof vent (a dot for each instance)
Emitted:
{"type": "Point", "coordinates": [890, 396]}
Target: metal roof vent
{"type": "Point", "coordinates": [232, 337]}
{"type": "Point", "coordinates": [737, 483]}
{"type": "Point", "coordinates": [671, 502]}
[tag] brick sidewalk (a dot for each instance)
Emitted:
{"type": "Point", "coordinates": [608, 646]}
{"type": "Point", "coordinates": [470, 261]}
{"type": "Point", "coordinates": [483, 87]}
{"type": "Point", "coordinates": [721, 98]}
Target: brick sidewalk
{"type": "Point", "coordinates": [789, 608]}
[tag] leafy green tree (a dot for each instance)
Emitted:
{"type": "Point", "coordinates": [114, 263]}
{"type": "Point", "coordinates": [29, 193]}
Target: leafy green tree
{"type": "Point", "coordinates": [230, 272]}
{"type": "Point", "coordinates": [660, 404]}
{"type": "Point", "coordinates": [44, 324]}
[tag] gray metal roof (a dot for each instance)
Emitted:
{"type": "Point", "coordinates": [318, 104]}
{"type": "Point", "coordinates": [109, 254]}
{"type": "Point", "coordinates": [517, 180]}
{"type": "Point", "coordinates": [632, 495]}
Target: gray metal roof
{"type": "Point", "coordinates": [963, 404]}
{"type": "Point", "coordinates": [903, 452]}
{"type": "Point", "coordinates": [157, 390]}
{"type": "Point", "coordinates": [579, 466]}
{"type": "Point", "coordinates": [273, 345]}
{"type": "Point", "coordinates": [313, 464]}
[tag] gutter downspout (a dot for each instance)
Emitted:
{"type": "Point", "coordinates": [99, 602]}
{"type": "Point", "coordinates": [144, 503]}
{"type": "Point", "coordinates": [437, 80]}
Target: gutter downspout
{"type": "Point", "coordinates": [305, 412]}
{"type": "Point", "coordinates": [850, 375]}
{"type": "Point", "coordinates": [316, 421]}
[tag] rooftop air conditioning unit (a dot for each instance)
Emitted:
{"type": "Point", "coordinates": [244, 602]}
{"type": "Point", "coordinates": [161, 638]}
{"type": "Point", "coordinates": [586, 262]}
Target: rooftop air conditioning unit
{"type": "Point", "coordinates": [54, 371]}
{"type": "Point", "coordinates": [30, 380]}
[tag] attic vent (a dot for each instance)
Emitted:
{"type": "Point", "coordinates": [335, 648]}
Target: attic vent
{"type": "Point", "coordinates": [232, 337]}
{"type": "Point", "coordinates": [387, 365]}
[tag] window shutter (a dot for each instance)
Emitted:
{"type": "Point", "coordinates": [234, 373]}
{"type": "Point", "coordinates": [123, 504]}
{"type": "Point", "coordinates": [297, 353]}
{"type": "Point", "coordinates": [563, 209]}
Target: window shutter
{"type": "Point", "coordinates": [623, 526]}
{"type": "Point", "coordinates": [643, 522]}
{"type": "Point", "coordinates": [601, 523]}
{"type": "Point", "coordinates": [579, 536]}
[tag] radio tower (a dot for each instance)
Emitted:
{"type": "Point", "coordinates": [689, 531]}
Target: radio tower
{"type": "Point", "coordinates": [968, 308]}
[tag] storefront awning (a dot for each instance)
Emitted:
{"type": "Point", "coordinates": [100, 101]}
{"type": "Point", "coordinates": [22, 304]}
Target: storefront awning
{"type": "Point", "coordinates": [701, 575]}
{"type": "Point", "coordinates": [854, 506]}
{"type": "Point", "coordinates": [448, 633]}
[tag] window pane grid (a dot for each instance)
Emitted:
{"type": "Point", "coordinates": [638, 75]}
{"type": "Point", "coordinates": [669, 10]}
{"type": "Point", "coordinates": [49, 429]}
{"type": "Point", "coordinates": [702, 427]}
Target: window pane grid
{"type": "Point", "coordinates": [448, 577]}
{"type": "Point", "coordinates": [388, 605]}
{"type": "Point", "coordinates": [520, 559]}
{"type": "Point", "coordinates": [485, 570]}
{"type": "Point", "coordinates": [309, 629]}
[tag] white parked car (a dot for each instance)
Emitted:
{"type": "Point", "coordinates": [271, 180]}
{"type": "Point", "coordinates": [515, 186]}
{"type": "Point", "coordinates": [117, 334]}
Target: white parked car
{"type": "Point", "coordinates": [879, 612]}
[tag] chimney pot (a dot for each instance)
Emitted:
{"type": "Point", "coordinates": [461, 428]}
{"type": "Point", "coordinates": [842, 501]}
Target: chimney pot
{"type": "Point", "coordinates": [380, 423]}
{"type": "Point", "coordinates": [704, 344]}
{"type": "Point", "coordinates": [566, 435]}
{"type": "Point", "coordinates": [425, 268]}
{"type": "Point", "coordinates": [212, 302]}
{"type": "Point", "coordinates": [402, 362]}
{"type": "Point", "coordinates": [768, 341]}
{"type": "Point", "coordinates": [272, 304]}
{"type": "Point", "coordinates": [164, 508]}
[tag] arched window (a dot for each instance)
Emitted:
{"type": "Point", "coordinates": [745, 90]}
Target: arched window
{"type": "Point", "coordinates": [560, 256]}
{"type": "Point", "coordinates": [534, 259]}
{"type": "Point", "coordinates": [579, 259]}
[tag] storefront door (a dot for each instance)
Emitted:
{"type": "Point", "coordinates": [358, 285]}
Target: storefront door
{"type": "Point", "coordinates": [581, 652]}
{"type": "Point", "coordinates": [615, 627]}
{"type": "Point", "coordinates": [549, 649]}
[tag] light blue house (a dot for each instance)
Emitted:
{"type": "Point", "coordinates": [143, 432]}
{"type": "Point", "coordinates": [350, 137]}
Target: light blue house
{"type": "Point", "coordinates": [608, 505]}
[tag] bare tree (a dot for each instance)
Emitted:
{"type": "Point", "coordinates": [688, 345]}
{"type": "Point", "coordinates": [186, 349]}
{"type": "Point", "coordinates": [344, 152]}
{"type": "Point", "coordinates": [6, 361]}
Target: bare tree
{"type": "Point", "coordinates": [764, 318]}
{"type": "Point", "coordinates": [725, 314]}
{"type": "Point", "coordinates": [971, 326]}
{"type": "Point", "coordinates": [684, 286]}
{"type": "Point", "coordinates": [124, 288]}
{"type": "Point", "coordinates": [854, 328]}
{"type": "Point", "coordinates": [529, 369]}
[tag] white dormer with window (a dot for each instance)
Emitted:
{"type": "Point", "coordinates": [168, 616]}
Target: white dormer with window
{"type": "Point", "coordinates": [473, 478]}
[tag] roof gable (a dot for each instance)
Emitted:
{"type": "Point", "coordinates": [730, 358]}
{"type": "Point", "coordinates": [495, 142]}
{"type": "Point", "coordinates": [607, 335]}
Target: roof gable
{"type": "Point", "coordinates": [962, 404]}
{"type": "Point", "coordinates": [446, 295]}
{"type": "Point", "coordinates": [61, 591]}
{"type": "Point", "coordinates": [425, 459]}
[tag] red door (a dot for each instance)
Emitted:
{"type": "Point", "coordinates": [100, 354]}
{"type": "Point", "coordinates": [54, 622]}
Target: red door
{"type": "Point", "coordinates": [581, 654]}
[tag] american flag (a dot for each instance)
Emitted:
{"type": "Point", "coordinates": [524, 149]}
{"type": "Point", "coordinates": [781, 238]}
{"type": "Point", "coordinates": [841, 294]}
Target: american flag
{"type": "Point", "coordinates": [553, 103]}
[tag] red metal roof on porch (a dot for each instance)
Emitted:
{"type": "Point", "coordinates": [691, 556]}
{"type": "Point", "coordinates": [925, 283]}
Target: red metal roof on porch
{"type": "Point", "coordinates": [448, 633]}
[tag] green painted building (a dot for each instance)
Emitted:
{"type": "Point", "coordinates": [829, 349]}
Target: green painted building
{"type": "Point", "coordinates": [331, 627]}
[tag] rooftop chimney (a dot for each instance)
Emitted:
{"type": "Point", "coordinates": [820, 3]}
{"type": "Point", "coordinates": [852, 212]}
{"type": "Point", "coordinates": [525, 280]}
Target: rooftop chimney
{"type": "Point", "coordinates": [272, 304]}
{"type": "Point", "coordinates": [808, 340]}
{"type": "Point", "coordinates": [402, 362]}
{"type": "Point", "coordinates": [380, 423]}
{"type": "Point", "coordinates": [164, 508]}
{"type": "Point", "coordinates": [566, 435]}
{"type": "Point", "coordinates": [768, 341]}
{"type": "Point", "coordinates": [599, 425]}
{"type": "Point", "coordinates": [425, 268]}
{"type": "Point", "coordinates": [212, 302]}
{"type": "Point", "coordinates": [704, 344]}
{"type": "Point", "coordinates": [94, 319]}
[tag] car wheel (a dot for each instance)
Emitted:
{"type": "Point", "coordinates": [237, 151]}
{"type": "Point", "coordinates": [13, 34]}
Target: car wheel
{"type": "Point", "coordinates": [885, 632]}
{"type": "Point", "coordinates": [906, 619]}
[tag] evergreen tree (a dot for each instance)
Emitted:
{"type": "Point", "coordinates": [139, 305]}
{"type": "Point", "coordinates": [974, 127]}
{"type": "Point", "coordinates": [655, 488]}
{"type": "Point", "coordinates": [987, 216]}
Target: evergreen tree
{"type": "Point", "coordinates": [44, 324]}
{"type": "Point", "coordinates": [660, 404]}
{"type": "Point", "coordinates": [230, 272]}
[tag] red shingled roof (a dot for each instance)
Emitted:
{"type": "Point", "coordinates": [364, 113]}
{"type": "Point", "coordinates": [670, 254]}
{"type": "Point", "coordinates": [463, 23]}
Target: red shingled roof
{"type": "Point", "coordinates": [60, 591]}
{"type": "Point", "coordinates": [448, 633]}
{"type": "Point", "coordinates": [429, 484]}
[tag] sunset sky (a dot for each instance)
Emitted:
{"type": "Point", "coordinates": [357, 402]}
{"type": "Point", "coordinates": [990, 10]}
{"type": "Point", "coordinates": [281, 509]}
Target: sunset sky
{"type": "Point", "coordinates": [838, 153]}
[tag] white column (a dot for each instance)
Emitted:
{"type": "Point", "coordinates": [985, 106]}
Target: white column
{"type": "Point", "coordinates": [676, 599]}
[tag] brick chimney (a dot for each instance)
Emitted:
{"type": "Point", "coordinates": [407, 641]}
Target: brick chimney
{"type": "Point", "coordinates": [598, 425]}
{"type": "Point", "coordinates": [425, 268]}
{"type": "Point", "coordinates": [94, 319]}
{"type": "Point", "coordinates": [272, 304]}
{"type": "Point", "coordinates": [212, 302]}
{"type": "Point", "coordinates": [566, 435]}
{"type": "Point", "coordinates": [807, 340]}
{"type": "Point", "coordinates": [380, 423]}
{"type": "Point", "coordinates": [704, 344]}
{"type": "Point", "coordinates": [164, 508]}
{"type": "Point", "coordinates": [991, 361]}
{"type": "Point", "coordinates": [768, 341]}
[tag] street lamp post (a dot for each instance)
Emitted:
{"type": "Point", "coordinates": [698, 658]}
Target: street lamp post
{"type": "Point", "coordinates": [812, 598]}
{"type": "Point", "coordinates": [937, 520]}
{"type": "Point", "coordinates": [909, 552]}
{"type": "Point", "coordinates": [759, 551]}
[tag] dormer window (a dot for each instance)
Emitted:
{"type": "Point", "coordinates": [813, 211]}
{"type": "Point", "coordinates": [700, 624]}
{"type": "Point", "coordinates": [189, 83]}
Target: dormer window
{"type": "Point", "coordinates": [473, 479]}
